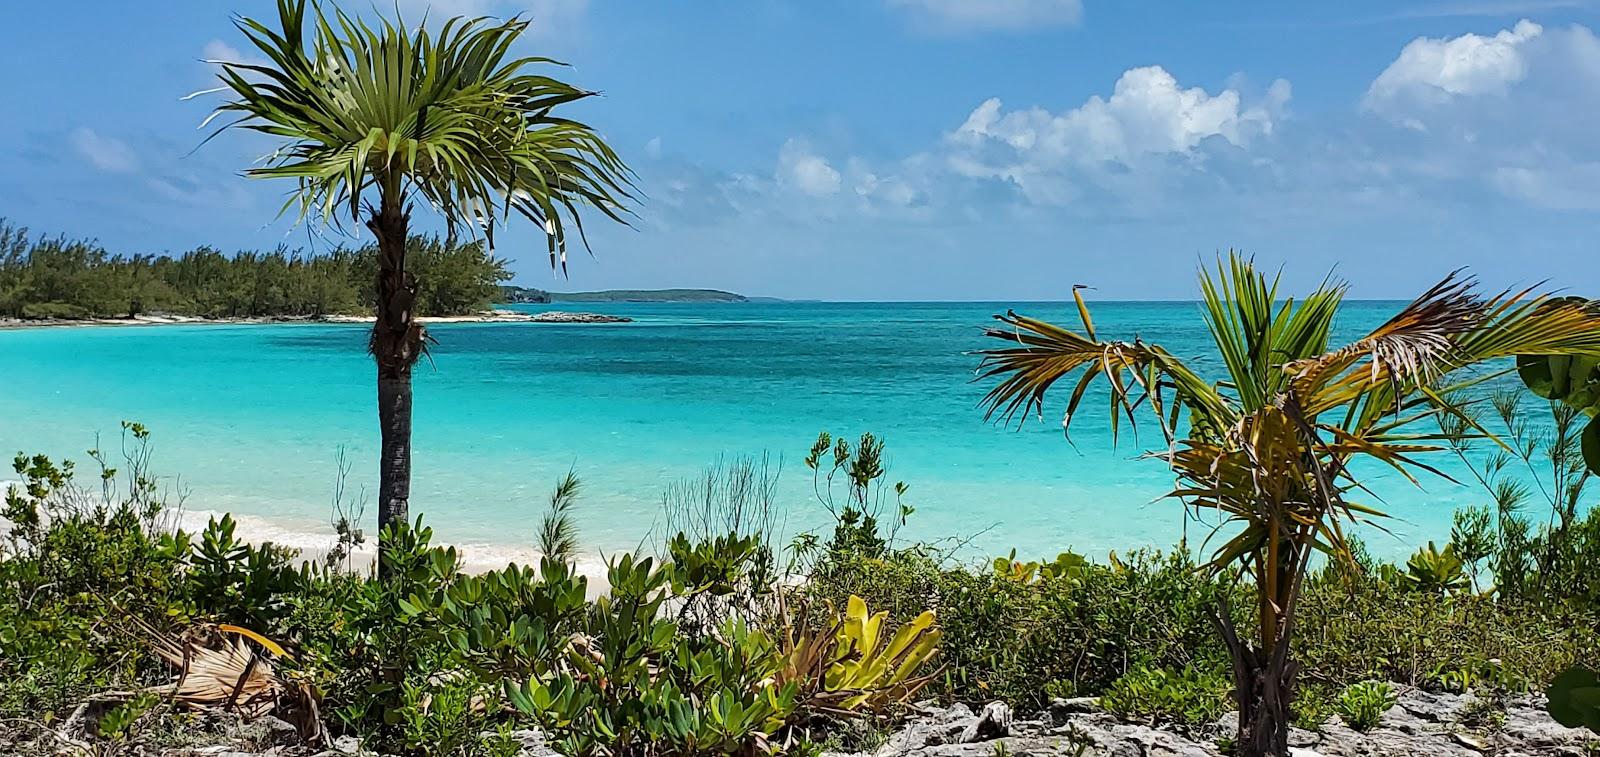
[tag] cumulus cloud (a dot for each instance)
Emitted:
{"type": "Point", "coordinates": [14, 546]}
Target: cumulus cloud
{"type": "Point", "coordinates": [105, 153]}
{"type": "Point", "coordinates": [985, 15]}
{"type": "Point", "coordinates": [798, 167]}
{"type": "Point", "coordinates": [1496, 111]}
{"type": "Point", "coordinates": [1148, 117]}
{"type": "Point", "coordinates": [1431, 72]}
{"type": "Point", "coordinates": [1499, 129]}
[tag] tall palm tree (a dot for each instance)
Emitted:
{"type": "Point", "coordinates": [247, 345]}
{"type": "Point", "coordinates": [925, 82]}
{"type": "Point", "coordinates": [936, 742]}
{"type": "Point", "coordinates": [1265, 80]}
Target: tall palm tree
{"type": "Point", "coordinates": [372, 119]}
{"type": "Point", "coordinates": [1269, 445]}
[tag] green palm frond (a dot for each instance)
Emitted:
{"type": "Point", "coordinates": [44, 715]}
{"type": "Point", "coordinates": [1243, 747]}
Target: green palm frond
{"type": "Point", "coordinates": [1137, 373]}
{"type": "Point", "coordinates": [451, 117]}
{"type": "Point", "coordinates": [1256, 333]}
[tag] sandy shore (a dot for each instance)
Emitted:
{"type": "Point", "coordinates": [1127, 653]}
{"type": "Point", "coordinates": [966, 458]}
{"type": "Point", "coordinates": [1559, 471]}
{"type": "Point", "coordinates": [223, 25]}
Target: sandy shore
{"type": "Point", "coordinates": [491, 316]}
{"type": "Point", "coordinates": [313, 544]}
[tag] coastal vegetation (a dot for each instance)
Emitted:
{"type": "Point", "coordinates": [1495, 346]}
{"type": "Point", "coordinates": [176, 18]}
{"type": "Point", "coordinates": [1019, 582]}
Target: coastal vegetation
{"type": "Point", "coordinates": [61, 278]}
{"type": "Point", "coordinates": [371, 119]}
{"type": "Point", "coordinates": [116, 627]}
{"type": "Point", "coordinates": [1272, 445]}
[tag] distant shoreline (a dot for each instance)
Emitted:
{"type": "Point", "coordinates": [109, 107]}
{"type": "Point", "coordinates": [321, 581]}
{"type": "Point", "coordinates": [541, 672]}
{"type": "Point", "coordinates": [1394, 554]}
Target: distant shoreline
{"type": "Point", "coordinates": [492, 316]}
{"type": "Point", "coordinates": [520, 295]}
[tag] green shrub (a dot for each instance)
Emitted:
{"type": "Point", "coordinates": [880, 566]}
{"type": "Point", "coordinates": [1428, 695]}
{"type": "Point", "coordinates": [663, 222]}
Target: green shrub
{"type": "Point", "coordinates": [1435, 571]}
{"type": "Point", "coordinates": [1353, 629]}
{"type": "Point", "coordinates": [1194, 696]}
{"type": "Point", "coordinates": [643, 685]}
{"type": "Point", "coordinates": [54, 310]}
{"type": "Point", "coordinates": [1362, 704]}
{"type": "Point", "coordinates": [1021, 640]}
{"type": "Point", "coordinates": [240, 583]}
{"type": "Point", "coordinates": [1313, 704]}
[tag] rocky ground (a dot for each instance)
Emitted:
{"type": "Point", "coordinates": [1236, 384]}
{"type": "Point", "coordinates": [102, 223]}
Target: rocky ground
{"type": "Point", "coordinates": [1420, 724]}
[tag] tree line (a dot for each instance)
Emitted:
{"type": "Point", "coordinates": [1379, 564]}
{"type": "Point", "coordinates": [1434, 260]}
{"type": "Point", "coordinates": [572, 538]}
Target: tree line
{"type": "Point", "coordinates": [61, 277]}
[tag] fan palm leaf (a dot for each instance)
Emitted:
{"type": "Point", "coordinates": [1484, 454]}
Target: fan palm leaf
{"type": "Point", "coordinates": [452, 117]}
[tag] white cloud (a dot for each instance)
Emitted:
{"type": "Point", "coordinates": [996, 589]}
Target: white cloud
{"type": "Point", "coordinates": [1573, 186]}
{"type": "Point", "coordinates": [894, 191]}
{"type": "Point", "coordinates": [221, 52]}
{"type": "Point", "coordinates": [1498, 110]}
{"type": "Point", "coordinates": [1147, 113]}
{"type": "Point", "coordinates": [798, 167]}
{"type": "Point", "coordinates": [1148, 120]}
{"type": "Point", "coordinates": [105, 153]}
{"type": "Point", "coordinates": [217, 50]}
{"type": "Point", "coordinates": [1431, 71]}
{"type": "Point", "coordinates": [547, 15]}
{"type": "Point", "coordinates": [652, 148]}
{"type": "Point", "coordinates": [981, 15]}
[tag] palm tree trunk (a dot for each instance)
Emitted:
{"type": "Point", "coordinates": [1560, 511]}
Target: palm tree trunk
{"type": "Point", "coordinates": [395, 346]}
{"type": "Point", "coordinates": [1263, 689]}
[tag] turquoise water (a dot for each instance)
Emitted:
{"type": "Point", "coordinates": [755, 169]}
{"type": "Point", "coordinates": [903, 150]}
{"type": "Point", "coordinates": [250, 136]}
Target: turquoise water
{"type": "Point", "coordinates": [252, 418]}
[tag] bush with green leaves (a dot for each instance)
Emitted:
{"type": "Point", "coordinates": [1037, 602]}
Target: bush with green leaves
{"type": "Point", "coordinates": [237, 582]}
{"type": "Point", "coordinates": [633, 684]}
{"type": "Point", "coordinates": [1539, 534]}
{"type": "Point", "coordinates": [1193, 696]}
{"type": "Point", "coordinates": [1435, 571]}
{"type": "Point", "coordinates": [75, 557]}
{"type": "Point", "coordinates": [1024, 641]}
{"type": "Point", "coordinates": [1362, 627]}
{"type": "Point", "coordinates": [1362, 704]}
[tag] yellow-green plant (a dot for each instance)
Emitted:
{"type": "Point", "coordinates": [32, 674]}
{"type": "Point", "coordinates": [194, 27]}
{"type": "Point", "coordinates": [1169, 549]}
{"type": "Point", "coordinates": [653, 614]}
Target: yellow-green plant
{"type": "Point", "coordinates": [1269, 444]}
{"type": "Point", "coordinates": [1066, 565]}
{"type": "Point", "coordinates": [1362, 704]}
{"type": "Point", "coordinates": [852, 667]}
{"type": "Point", "coordinates": [1436, 571]}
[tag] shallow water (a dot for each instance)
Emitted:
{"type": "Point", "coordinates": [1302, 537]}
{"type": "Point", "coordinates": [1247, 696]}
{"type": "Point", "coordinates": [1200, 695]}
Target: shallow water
{"type": "Point", "coordinates": [252, 418]}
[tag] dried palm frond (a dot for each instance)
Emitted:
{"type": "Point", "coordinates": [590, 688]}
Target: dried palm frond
{"type": "Point", "coordinates": [1415, 346]}
{"type": "Point", "coordinates": [219, 669]}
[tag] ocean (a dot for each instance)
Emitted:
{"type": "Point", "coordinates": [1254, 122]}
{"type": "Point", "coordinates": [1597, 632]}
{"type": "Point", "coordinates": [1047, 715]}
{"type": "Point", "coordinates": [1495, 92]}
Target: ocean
{"type": "Point", "coordinates": [253, 419]}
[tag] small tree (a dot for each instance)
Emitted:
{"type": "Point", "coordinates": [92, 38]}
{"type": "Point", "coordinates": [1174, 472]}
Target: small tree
{"type": "Point", "coordinates": [371, 119]}
{"type": "Point", "coordinates": [1269, 445]}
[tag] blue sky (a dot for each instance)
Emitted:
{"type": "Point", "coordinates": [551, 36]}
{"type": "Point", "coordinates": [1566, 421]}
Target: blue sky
{"type": "Point", "coordinates": [921, 149]}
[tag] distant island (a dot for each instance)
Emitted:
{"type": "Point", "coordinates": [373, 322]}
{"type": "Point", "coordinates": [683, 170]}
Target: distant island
{"type": "Point", "coordinates": [522, 295]}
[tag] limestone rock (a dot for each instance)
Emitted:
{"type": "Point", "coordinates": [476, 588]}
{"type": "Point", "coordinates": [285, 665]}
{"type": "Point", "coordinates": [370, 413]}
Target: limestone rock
{"type": "Point", "coordinates": [993, 723]}
{"type": "Point", "coordinates": [1421, 724]}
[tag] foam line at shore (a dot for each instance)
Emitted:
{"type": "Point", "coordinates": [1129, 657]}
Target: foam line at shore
{"type": "Point", "coordinates": [313, 545]}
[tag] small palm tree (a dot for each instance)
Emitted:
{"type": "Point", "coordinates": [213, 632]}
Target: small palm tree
{"type": "Point", "coordinates": [372, 119]}
{"type": "Point", "coordinates": [1269, 445]}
